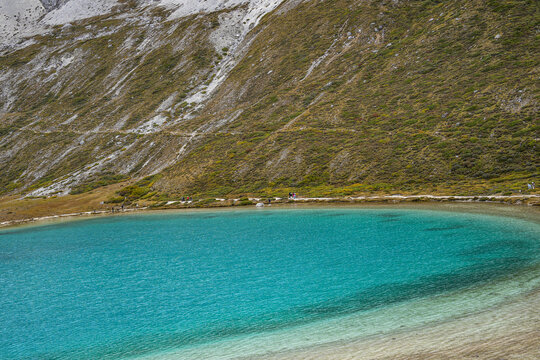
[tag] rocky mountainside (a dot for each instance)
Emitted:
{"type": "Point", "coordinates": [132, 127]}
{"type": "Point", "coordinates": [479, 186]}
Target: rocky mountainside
{"type": "Point", "coordinates": [254, 96]}
{"type": "Point", "coordinates": [53, 4]}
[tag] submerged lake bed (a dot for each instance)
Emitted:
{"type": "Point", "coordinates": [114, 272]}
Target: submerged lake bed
{"type": "Point", "coordinates": [220, 284]}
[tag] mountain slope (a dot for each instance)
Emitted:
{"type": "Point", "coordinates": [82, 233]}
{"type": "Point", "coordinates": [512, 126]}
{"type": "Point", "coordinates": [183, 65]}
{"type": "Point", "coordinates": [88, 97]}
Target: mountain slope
{"type": "Point", "coordinates": [262, 95]}
{"type": "Point", "coordinates": [397, 94]}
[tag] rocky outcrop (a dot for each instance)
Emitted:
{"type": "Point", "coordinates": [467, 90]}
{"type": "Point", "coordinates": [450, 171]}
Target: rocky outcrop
{"type": "Point", "coordinates": [50, 5]}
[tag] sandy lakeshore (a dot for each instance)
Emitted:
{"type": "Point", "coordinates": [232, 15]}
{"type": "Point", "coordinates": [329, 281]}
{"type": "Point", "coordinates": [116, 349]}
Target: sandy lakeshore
{"type": "Point", "coordinates": [507, 331]}
{"type": "Point", "coordinates": [25, 211]}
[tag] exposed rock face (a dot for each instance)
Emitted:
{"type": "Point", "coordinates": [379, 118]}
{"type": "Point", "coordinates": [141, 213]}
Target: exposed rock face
{"type": "Point", "coordinates": [18, 19]}
{"type": "Point", "coordinates": [53, 4]}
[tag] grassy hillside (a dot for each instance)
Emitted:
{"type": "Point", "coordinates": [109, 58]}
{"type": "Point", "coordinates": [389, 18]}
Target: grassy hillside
{"type": "Point", "coordinates": [407, 95]}
{"type": "Point", "coordinates": [331, 97]}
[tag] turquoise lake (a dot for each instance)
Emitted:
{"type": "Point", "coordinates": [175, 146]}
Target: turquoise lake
{"type": "Point", "coordinates": [215, 284]}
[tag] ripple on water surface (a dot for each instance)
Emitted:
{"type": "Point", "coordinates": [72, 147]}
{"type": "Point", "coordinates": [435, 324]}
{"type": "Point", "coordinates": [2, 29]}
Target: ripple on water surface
{"type": "Point", "coordinates": [203, 284]}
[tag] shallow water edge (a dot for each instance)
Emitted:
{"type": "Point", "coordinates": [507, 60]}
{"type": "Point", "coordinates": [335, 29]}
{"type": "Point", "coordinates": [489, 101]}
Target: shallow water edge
{"type": "Point", "coordinates": [494, 314]}
{"type": "Point", "coordinates": [512, 209]}
{"type": "Point", "coordinates": [345, 327]}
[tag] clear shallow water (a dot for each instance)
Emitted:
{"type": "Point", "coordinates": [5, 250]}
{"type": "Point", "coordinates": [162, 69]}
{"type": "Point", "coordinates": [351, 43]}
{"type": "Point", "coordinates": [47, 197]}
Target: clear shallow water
{"type": "Point", "coordinates": [203, 284]}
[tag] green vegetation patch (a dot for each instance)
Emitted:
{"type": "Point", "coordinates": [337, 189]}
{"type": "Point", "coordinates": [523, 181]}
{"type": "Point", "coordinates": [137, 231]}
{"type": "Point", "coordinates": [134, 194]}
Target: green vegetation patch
{"type": "Point", "coordinates": [103, 180]}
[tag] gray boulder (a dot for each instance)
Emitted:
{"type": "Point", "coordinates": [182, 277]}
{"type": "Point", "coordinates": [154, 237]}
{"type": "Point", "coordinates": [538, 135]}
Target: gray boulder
{"type": "Point", "coordinates": [50, 5]}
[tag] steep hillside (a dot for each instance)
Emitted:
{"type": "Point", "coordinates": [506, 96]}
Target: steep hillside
{"type": "Point", "coordinates": [262, 96]}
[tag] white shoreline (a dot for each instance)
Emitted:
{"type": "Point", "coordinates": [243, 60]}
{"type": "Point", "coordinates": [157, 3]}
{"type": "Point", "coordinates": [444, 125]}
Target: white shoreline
{"type": "Point", "coordinates": [69, 215]}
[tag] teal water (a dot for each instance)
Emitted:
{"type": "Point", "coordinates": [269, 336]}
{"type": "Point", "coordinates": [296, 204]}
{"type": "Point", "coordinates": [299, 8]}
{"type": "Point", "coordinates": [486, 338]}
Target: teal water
{"type": "Point", "coordinates": [139, 285]}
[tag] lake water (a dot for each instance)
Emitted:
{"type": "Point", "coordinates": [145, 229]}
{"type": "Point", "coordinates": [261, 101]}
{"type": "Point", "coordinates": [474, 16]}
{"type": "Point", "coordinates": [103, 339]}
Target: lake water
{"type": "Point", "coordinates": [220, 284]}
